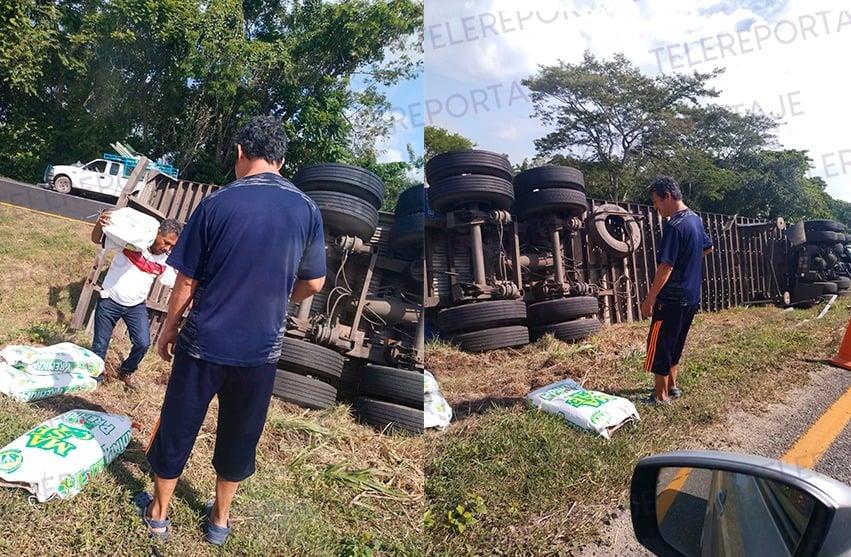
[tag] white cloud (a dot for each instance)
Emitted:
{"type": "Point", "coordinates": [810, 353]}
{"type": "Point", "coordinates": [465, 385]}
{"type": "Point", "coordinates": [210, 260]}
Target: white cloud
{"type": "Point", "coordinates": [796, 52]}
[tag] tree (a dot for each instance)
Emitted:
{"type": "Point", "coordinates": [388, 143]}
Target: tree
{"type": "Point", "coordinates": [439, 140]}
{"type": "Point", "coordinates": [775, 184]}
{"type": "Point", "coordinates": [397, 176]}
{"type": "Point", "coordinates": [176, 78]}
{"type": "Point", "coordinates": [609, 117]}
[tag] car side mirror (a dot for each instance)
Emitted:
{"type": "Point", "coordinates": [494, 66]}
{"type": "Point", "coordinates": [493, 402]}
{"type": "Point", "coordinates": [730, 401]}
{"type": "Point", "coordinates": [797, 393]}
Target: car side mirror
{"type": "Point", "coordinates": [716, 504]}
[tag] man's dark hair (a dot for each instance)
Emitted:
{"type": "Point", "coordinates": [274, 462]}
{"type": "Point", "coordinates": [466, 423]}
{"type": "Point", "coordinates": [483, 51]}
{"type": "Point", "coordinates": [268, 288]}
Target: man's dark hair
{"type": "Point", "coordinates": [262, 137]}
{"type": "Point", "coordinates": [170, 225]}
{"type": "Point", "coordinates": [665, 185]}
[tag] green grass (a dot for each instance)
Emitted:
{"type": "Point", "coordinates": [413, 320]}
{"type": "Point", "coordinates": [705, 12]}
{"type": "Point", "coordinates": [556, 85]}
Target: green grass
{"type": "Point", "coordinates": [545, 486]}
{"type": "Point", "coordinates": [325, 485]}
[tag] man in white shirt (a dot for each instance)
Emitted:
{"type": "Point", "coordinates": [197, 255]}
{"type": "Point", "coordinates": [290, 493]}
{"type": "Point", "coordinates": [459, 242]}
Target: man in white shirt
{"type": "Point", "coordinates": [125, 290]}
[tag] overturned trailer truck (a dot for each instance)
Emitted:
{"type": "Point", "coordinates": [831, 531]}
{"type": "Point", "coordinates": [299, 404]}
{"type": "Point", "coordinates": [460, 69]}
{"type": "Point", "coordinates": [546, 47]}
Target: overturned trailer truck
{"type": "Point", "coordinates": [510, 258]}
{"type": "Point", "coordinates": [360, 339]}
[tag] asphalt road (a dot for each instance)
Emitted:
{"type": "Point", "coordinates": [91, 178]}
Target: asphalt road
{"type": "Point", "coordinates": [769, 434]}
{"type": "Point", "coordinates": [48, 201]}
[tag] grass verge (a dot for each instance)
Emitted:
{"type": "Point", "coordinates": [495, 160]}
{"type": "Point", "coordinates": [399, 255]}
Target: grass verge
{"type": "Point", "coordinates": [325, 485]}
{"type": "Point", "coordinates": [522, 482]}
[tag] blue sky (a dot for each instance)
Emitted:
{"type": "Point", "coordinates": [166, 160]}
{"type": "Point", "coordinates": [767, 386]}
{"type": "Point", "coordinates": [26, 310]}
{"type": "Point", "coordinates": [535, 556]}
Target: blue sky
{"type": "Point", "coordinates": [779, 57]}
{"type": "Point", "coordinates": [404, 94]}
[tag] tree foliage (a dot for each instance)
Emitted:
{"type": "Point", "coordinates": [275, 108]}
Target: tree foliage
{"type": "Point", "coordinates": [622, 128]}
{"type": "Point", "coordinates": [176, 78]}
{"type": "Point", "coordinates": [439, 140]}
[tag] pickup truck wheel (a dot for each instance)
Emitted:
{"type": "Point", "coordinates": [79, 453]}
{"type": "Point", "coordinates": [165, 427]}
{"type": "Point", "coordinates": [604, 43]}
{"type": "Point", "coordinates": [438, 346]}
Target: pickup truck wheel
{"type": "Point", "coordinates": [62, 184]}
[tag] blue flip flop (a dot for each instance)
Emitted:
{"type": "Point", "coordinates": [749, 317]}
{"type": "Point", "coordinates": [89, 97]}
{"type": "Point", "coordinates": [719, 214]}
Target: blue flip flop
{"type": "Point", "coordinates": [214, 534]}
{"type": "Point", "coordinates": [653, 401]}
{"type": "Point", "coordinates": [142, 501]}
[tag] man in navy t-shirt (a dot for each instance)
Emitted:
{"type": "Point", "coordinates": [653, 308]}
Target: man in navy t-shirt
{"type": "Point", "coordinates": [674, 296]}
{"type": "Point", "coordinates": [247, 250]}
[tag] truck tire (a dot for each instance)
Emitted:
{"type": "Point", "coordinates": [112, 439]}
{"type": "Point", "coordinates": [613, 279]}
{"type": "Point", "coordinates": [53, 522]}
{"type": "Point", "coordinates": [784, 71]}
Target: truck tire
{"type": "Point", "coordinates": [388, 416]}
{"type": "Point", "coordinates": [564, 309]}
{"type": "Point", "coordinates": [548, 177]}
{"type": "Point", "coordinates": [821, 236]}
{"type": "Point", "coordinates": [449, 193]}
{"type": "Point", "coordinates": [481, 315]}
{"type": "Point", "coordinates": [62, 184]}
{"type": "Point", "coordinates": [406, 237]}
{"type": "Point", "coordinates": [491, 339]}
{"type": "Point", "coordinates": [342, 178]}
{"type": "Point", "coordinates": [306, 358]}
{"type": "Point", "coordinates": [822, 226]}
{"type": "Point", "coordinates": [570, 330]}
{"type": "Point", "coordinates": [400, 386]}
{"type": "Point", "coordinates": [601, 236]}
{"type": "Point", "coordinates": [571, 203]}
{"type": "Point", "coordinates": [826, 286]}
{"type": "Point", "coordinates": [304, 391]}
{"type": "Point", "coordinates": [410, 201]}
{"type": "Point", "coordinates": [806, 291]}
{"type": "Point", "coordinates": [474, 161]}
{"type": "Point", "coordinates": [345, 214]}
{"type": "Point", "coordinates": [843, 283]}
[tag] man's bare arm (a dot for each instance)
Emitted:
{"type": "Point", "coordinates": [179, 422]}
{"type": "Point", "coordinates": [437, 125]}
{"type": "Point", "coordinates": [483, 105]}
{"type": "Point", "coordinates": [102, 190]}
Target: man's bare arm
{"type": "Point", "coordinates": [306, 288]}
{"type": "Point", "coordinates": [97, 231]}
{"type": "Point", "coordinates": [180, 299]}
{"type": "Point", "coordinates": [663, 273]}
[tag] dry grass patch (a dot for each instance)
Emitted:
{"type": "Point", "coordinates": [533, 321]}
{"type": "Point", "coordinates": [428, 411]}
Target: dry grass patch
{"type": "Point", "coordinates": [325, 485]}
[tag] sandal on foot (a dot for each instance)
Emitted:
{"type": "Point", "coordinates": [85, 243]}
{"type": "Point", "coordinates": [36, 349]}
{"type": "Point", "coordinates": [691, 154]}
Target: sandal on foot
{"type": "Point", "coordinates": [653, 401]}
{"type": "Point", "coordinates": [675, 393]}
{"type": "Point", "coordinates": [214, 534]}
{"type": "Point", "coordinates": [142, 501]}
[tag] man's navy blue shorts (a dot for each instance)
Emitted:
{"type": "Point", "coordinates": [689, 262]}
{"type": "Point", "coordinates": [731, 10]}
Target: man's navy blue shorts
{"type": "Point", "coordinates": [668, 331]}
{"type": "Point", "coordinates": [244, 394]}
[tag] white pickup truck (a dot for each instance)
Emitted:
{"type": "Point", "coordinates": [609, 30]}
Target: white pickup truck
{"type": "Point", "coordinates": [106, 176]}
{"type": "Point", "coordinates": [98, 176]}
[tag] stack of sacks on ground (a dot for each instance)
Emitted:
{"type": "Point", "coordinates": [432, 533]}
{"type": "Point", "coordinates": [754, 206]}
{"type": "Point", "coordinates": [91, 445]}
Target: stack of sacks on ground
{"type": "Point", "coordinates": [58, 457]}
{"type": "Point", "coordinates": [34, 372]}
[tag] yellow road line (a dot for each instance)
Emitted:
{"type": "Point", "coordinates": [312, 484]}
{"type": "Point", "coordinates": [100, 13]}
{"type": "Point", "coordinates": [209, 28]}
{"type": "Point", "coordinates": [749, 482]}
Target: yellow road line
{"type": "Point", "coordinates": [806, 452]}
{"type": "Point", "coordinates": [46, 214]}
{"type": "Point", "coordinates": [666, 497]}
{"type": "Point", "coordinates": [811, 446]}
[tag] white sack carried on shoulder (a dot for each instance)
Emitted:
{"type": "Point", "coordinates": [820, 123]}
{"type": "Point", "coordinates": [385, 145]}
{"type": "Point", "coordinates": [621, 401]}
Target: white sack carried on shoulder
{"type": "Point", "coordinates": [131, 229]}
{"type": "Point", "coordinates": [60, 456]}
{"type": "Point", "coordinates": [591, 410]}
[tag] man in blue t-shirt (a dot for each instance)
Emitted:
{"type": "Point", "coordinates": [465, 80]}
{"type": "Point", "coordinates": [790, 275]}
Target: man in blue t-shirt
{"type": "Point", "coordinates": [674, 296]}
{"type": "Point", "coordinates": [247, 250]}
